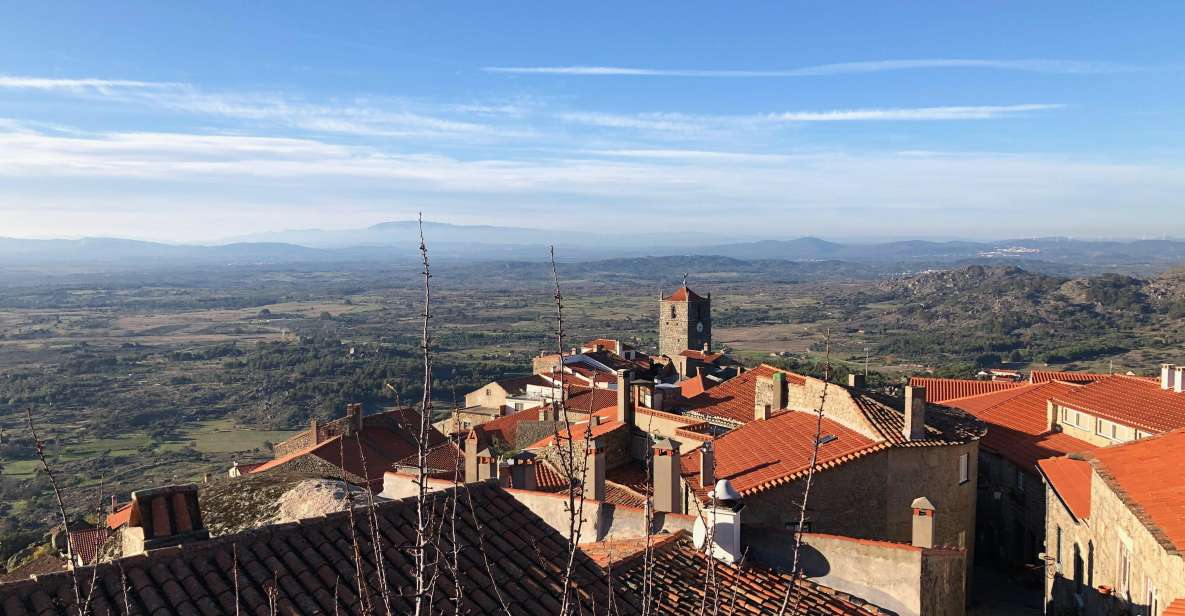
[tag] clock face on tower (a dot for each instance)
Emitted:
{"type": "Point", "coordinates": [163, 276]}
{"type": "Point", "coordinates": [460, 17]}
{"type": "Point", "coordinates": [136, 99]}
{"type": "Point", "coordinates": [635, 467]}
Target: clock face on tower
{"type": "Point", "coordinates": [699, 327]}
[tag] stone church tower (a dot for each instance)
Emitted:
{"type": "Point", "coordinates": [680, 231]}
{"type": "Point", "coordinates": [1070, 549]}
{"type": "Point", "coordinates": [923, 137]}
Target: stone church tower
{"type": "Point", "coordinates": [684, 322]}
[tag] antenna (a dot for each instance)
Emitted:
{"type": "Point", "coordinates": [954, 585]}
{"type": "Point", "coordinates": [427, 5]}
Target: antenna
{"type": "Point", "coordinates": [684, 279]}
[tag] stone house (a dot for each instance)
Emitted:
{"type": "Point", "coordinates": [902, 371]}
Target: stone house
{"type": "Point", "coordinates": [1115, 529]}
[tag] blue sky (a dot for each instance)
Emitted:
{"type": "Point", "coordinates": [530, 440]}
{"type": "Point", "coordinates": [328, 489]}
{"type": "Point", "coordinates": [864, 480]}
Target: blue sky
{"type": "Point", "coordinates": [199, 121]}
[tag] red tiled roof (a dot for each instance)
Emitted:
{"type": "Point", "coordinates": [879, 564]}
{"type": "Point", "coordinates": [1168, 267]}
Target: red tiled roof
{"type": "Point", "coordinates": [444, 461]}
{"type": "Point", "coordinates": [939, 390]}
{"type": "Point", "coordinates": [684, 294]}
{"type": "Point", "coordinates": [1044, 376]}
{"type": "Point", "coordinates": [120, 516]}
{"type": "Point", "coordinates": [577, 434]}
{"type": "Point", "coordinates": [505, 427]}
{"type": "Point", "coordinates": [733, 399]}
{"type": "Point", "coordinates": [1148, 475]}
{"type": "Point", "coordinates": [87, 544]}
{"type": "Point", "coordinates": [384, 439]}
{"type": "Point", "coordinates": [579, 398]}
{"type": "Point", "coordinates": [693, 386]}
{"type": "Point", "coordinates": [1070, 480]}
{"type": "Point", "coordinates": [1133, 401]}
{"type": "Point", "coordinates": [765, 454]}
{"type": "Point", "coordinates": [676, 575]}
{"type": "Point", "coordinates": [1017, 421]}
{"type": "Point", "coordinates": [701, 356]}
{"type": "Point", "coordinates": [1176, 608]}
{"type": "Point", "coordinates": [616, 551]}
{"type": "Point", "coordinates": [309, 567]}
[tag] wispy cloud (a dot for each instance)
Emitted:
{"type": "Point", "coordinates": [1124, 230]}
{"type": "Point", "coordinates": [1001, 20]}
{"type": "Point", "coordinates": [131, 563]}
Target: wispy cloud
{"type": "Point", "coordinates": [979, 112]}
{"type": "Point", "coordinates": [17, 82]}
{"type": "Point", "coordinates": [1070, 67]}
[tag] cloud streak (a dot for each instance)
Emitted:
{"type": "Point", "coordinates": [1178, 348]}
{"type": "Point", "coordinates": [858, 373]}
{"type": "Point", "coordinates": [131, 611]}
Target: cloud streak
{"type": "Point", "coordinates": [17, 82]}
{"type": "Point", "coordinates": [1068, 67]}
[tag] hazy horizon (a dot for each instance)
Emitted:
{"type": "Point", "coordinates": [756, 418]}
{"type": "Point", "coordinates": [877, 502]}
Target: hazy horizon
{"type": "Point", "coordinates": [971, 122]}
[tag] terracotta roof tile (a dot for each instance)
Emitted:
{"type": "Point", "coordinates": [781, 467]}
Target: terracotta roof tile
{"type": "Point", "coordinates": [684, 294]}
{"type": "Point", "coordinates": [676, 579]}
{"type": "Point", "coordinates": [693, 386]}
{"type": "Point", "coordinates": [308, 567]}
{"type": "Point", "coordinates": [1018, 423]}
{"type": "Point", "coordinates": [701, 356]}
{"type": "Point", "coordinates": [505, 427]}
{"type": "Point", "coordinates": [1133, 401]}
{"type": "Point", "coordinates": [764, 454]}
{"type": "Point", "coordinates": [939, 390]}
{"type": "Point", "coordinates": [733, 399]}
{"type": "Point", "coordinates": [1176, 608]}
{"type": "Point", "coordinates": [577, 433]}
{"type": "Point", "coordinates": [88, 543]}
{"type": "Point", "coordinates": [1070, 480]}
{"type": "Point", "coordinates": [1044, 376]}
{"type": "Point", "coordinates": [1148, 476]}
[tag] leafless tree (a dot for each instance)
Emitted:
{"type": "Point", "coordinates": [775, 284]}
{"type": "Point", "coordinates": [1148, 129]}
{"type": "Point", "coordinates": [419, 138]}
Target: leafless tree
{"type": "Point", "coordinates": [421, 557]}
{"type": "Point", "coordinates": [806, 491]}
{"type": "Point", "coordinates": [39, 446]}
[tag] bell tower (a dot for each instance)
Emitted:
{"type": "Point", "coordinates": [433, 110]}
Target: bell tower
{"type": "Point", "coordinates": [684, 322]}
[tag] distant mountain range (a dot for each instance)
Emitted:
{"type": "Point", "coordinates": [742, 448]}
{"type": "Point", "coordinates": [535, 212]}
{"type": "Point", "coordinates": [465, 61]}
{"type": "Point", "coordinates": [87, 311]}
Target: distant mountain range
{"type": "Point", "coordinates": [398, 242]}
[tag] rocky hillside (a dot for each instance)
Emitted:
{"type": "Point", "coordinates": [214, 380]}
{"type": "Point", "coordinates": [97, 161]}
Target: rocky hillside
{"type": "Point", "coordinates": [1010, 314]}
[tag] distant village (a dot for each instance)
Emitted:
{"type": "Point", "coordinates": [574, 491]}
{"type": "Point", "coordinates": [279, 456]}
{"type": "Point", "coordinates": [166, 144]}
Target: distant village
{"type": "Point", "coordinates": [687, 480]}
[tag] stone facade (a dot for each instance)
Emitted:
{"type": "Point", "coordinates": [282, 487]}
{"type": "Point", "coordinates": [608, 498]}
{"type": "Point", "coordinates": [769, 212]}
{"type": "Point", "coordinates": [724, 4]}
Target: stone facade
{"type": "Point", "coordinates": [1090, 557]}
{"type": "Point", "coordinates": [684, 325]}
{"type": "Point", "coordinates": [1010, 512]}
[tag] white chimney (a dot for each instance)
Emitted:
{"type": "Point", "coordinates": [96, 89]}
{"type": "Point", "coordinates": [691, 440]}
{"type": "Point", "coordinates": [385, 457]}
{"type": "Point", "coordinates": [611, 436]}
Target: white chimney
{"type": "Point", "coordinates": [720, 536]}
{"type": "Point", "coordinates": [1167, 376]}
{"type": "Point", "coordinates": [1179, 379]}
{"type": "Point", "coordinates": [923, 523]}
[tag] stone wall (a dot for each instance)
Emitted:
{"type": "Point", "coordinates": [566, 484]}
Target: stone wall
{"type": "Point", "coordinates": [1010, 514]}
{"type": "Point", "coordinates": [899, 577]}
{"type": "Point", "coordinates": [492, 396]}
{"type": "Point", "coordinates": [1098, 543]}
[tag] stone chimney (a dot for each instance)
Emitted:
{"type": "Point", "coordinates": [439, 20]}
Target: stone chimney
{"type": "Point", "coordinates": [856, 381]}
{"type": "Point", "coordinates": [769, 396]}
{"type": "Point", "coordinates": [707, 465]}
{"type": "Point", "coordinates": [594, 421]}
{"type": "Point", "coordinates": [522, 469]}
{"type": "Point", "coordinates": [923, 523]}
{"type": "Point", "coordinates": [314, 431]}
{"type": "Point", "coordinates": [163, 517]}
{"type": "Point", "coordinates": [667, 492]}
{"type": "Point", "coordinates": [353, 418]}
{"type": "Point", "coordinates": [625, 402]}
{"type": "Point", "coordinates": [471, 457]}
{"type": "Point", "coordinates": [718, 531]}
{"type": "Point", "coordinates": [594, 473]}
{"type": "Point", "coordinates": [915, 413]}
{"type": "Point", "coordinates": [1168, 376]}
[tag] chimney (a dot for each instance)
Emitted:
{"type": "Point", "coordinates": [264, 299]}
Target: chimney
{"type": "Point", "coordinates": [723, 515]}
{"type": "Point", "coordinates": [1167, 376]}
{"type": "Point", "coordinates": [471, 457]}
{"type": "Point", "coordinates": [487, 465]}
{"type": "Point", "coordinates": [707, 465]}
{"type": "Point", "coordinates": [594, 472]}
{"type": "Point", "coordinates": [522, 471]}
{"type": "Point", "coordinates": [1179, 379]}
{"type": "Point", "coordinates": [617, 348]}
{"type": "Point", "coordinates": [594, 421]}
{"type": "Point", "coordinates": [353, 418]}
{"type": "Point", "coordinates": [923, 523]}
{"type": "Point", "coordinates": [667, 492]}
{"type": "Point", "coordinates": [314, 431]}
{"type": "Point", "coordinates": [625, 402]}
{"type": "Point", "coordinates": [707, 347]}
{"type": "Point", "coordinates": [770, 395]}
{"type": "Point", "coordinates": [915, 413]}
{"type": "Point", "coordinates": [163, 517]}
{"type": "Point", "coordinates": [856, 381]}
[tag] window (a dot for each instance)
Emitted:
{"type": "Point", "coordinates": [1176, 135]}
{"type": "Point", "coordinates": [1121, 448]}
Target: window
{"type": "Point", "coordinates": [1123, 575]}
{"type": "Point", "coordinates": [964, 468]}
{"type": "Point", "coordinates": [1020, 480]}
{"type": "Point", "coordinates": [1152, 599]}
{"type": "Point", "coordinates": [672, 311]}
{"type": "Point", "coordinates": [1057, 555]}
{"type": "Point", "coordinates": [1098, 427]}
